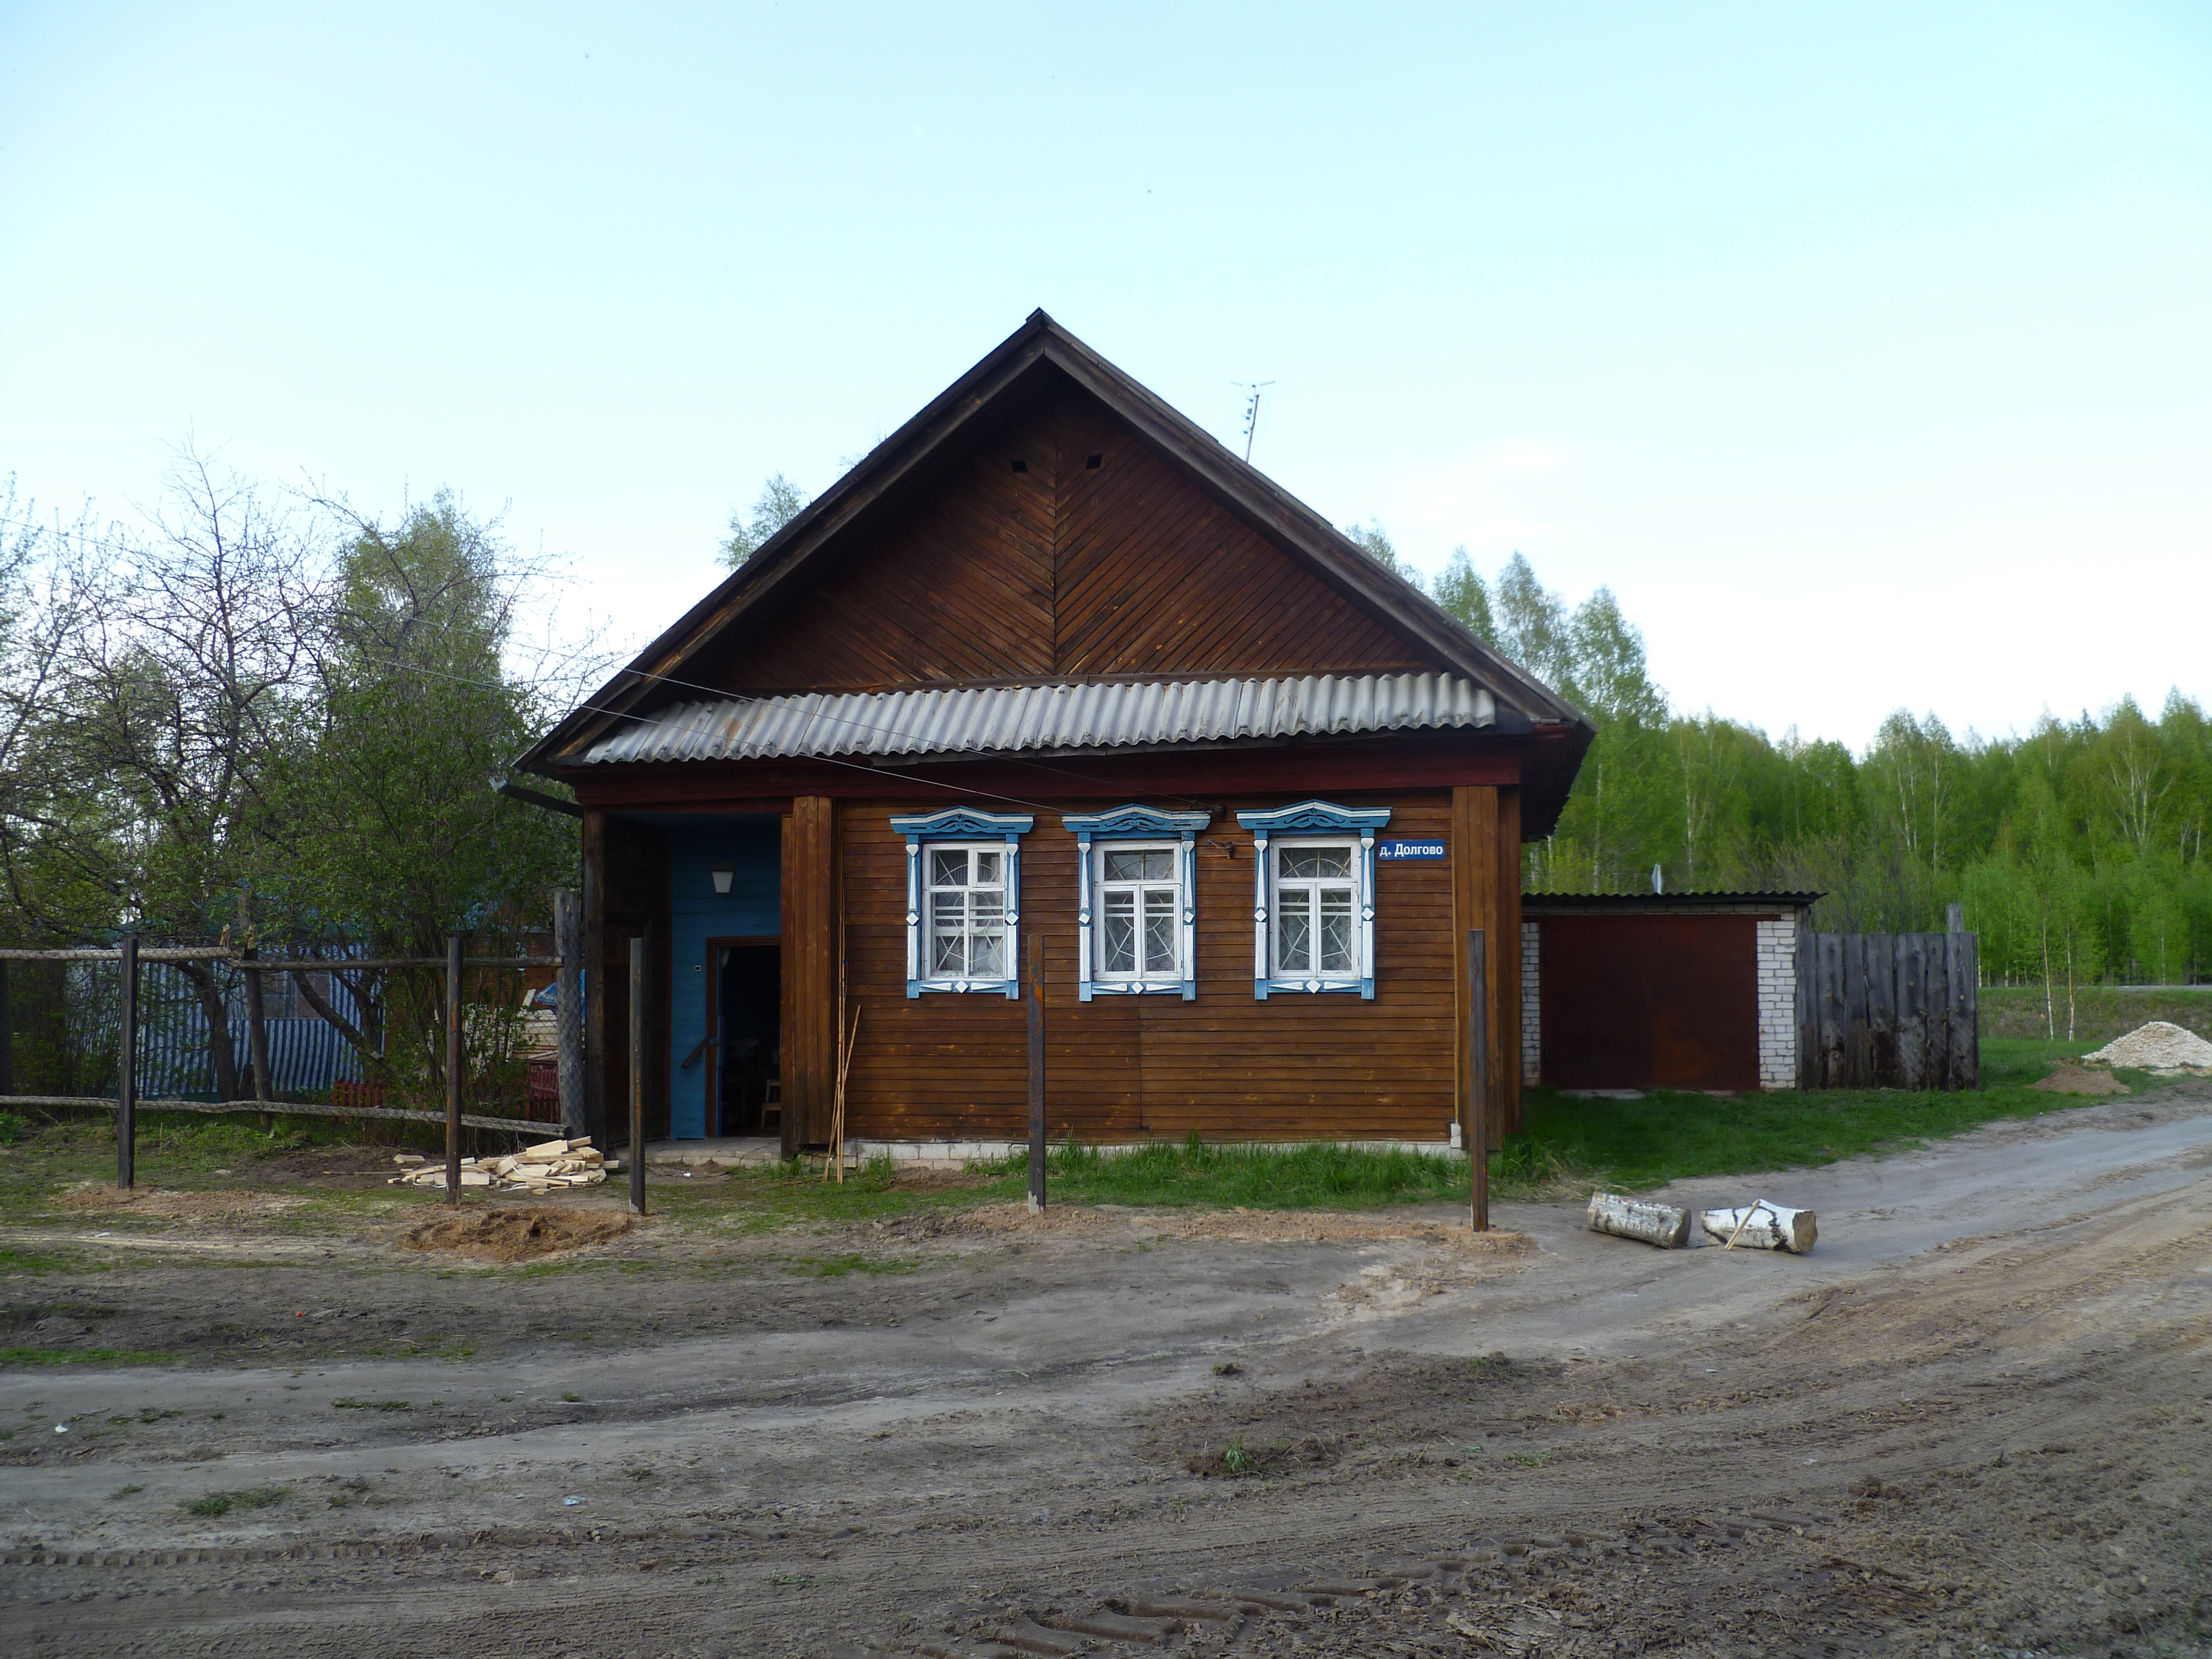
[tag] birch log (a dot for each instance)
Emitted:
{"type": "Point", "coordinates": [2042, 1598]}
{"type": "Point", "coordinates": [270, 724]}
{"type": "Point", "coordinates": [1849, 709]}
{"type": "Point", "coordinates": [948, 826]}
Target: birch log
{"type": "Point", "coordinates": [1764, 1226]}
{"type": "Point", "coordinates": [1627, 1218]}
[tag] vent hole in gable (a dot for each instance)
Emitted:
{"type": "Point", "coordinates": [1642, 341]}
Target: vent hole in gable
{"type": "Point", "coordinates": [1021, 466]}
{"type": "Point", "coordinates": [1094, 462]}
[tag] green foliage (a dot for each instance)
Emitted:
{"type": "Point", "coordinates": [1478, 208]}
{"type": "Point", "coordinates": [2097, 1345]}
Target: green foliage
{"type": "Point", "coordinates": [780, 502]}
{"type": "Point", "coordinates": [13, 1129]}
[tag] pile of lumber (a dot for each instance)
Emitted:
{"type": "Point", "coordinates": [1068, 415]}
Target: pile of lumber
{"type": "Point", "coordinates": [539, 1169]}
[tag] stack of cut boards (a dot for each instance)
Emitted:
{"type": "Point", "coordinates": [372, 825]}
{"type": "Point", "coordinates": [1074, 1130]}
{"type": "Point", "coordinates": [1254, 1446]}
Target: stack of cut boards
{"type": "Point", "coordinates": [539, 1169]}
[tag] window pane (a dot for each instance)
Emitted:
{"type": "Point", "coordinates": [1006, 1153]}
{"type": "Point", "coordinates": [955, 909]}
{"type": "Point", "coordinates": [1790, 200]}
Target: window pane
{"type": "Point", "coordinates": [948, 866]}
{"type": "Point", "coordinates": [988, 868]}
{"type": "Point", "coordinates": [1309, 862]}
{"type": "Point", "coordinates": [1159, 865]}
{"type": "Point", "coordinates": [1118, 940]}
{"type": "Point", "coordinates": [1336, 930]}
{"type": "Point", "coordinates": [1159, 928]}
{"type": "Point", "coordinates": [1294, 930]}
{"type": "Point", "coordinates": [1125, 866]}
{"type": "Point", "coordinates": [948, 918]}
{"type": "Point", "coordinates": [987, 955]}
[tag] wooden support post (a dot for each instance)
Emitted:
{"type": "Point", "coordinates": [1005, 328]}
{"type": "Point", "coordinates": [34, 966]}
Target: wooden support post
{"type": "Point", "coordinates": [1506, 966]}
{"type": "Point", "coordinates": [811, 1038]}
{"type": "Point", "coordinates": [7, 1033]}
{"type": "Point", "coordinates": [257, 1031]}
{"type": "Point", "coordinates": [1954, 918]}
{"type": "Point", "coordinates": [1476, 869]}
{"type": "Point", "coordinates": [1474, 1110]}
{"type": "Point", "coordinates": [600, 1044]}
{"type": "Point", "coordinates": [453, 1068]}
{"type": "Point", "coordinates": [568, 1009]}
{"type": "Point", "coordinates": [637, 1077]}
{"type": "Point", "coordinates": [1035, 1000]}
{"type": "Point", "coordinates": [126, 1079]}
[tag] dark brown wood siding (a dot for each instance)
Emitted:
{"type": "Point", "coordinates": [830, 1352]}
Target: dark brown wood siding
{"type": "Point", "coordinates": [1062, 569]}
{"type": "Point", "coordinates": [1227, 1065]}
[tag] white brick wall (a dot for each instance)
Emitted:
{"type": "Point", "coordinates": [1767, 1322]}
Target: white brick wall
{"type": "Point", "coordinates": [1778, 1003]}
{"type": "Point", "coordinates": [1532, 1027]}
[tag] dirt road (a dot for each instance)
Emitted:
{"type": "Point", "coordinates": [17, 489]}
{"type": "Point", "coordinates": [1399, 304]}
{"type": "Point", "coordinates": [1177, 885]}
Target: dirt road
{"type": "Point", "coordinates": [1974, 1420]}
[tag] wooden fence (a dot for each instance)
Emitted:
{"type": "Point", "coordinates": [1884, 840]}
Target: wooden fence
{"type": "Point", "coordinates": [1889, 1010]}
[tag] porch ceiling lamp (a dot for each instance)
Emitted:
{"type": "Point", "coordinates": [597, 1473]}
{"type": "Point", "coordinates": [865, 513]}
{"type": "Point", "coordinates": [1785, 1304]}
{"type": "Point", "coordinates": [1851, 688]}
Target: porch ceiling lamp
{"type": "Point", "coordinates": [722, 874]}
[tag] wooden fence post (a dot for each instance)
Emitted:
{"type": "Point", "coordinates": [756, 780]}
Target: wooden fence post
{"type": "Point", "coordinates": [1035, 999]}
{"type": "Point", "coordinates": [126, 1080]}
{"type": "Point", "coordinates": [1474, 1111]}
{"type": "Point", "coordinates": [453, 1068]}
{"type": "Point", "coordinates": [637, 1076]}
{"type": "Point", "coordinates": [7, 1032]}
{"type": "Point", "coordinates": [257, 1031]}
{"type": "Point", "coordinates": [568, 1008]}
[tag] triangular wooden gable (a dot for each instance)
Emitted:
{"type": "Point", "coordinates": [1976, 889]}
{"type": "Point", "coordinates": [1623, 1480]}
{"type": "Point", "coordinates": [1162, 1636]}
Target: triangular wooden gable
{"type": "Point", "coordinates": [933, 563]}
{"type": "Point", "coordinates": [1100, 557]}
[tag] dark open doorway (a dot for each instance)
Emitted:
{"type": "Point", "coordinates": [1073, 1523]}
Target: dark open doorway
{"type": "Point", "coordinates": [744, 1006]}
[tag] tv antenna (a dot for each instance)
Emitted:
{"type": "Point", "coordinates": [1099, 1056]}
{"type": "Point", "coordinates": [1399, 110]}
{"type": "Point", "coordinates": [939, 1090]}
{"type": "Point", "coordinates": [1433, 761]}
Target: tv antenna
{"type": "Point", "coordinates": [1252, 411]}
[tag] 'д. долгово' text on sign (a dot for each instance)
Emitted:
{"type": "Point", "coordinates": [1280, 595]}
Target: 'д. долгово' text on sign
{"type": "Point", "coordinates": [1400, 850]}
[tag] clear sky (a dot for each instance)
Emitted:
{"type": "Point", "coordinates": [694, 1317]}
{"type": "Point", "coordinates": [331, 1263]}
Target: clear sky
{"type": "Point", "coordinates": [1864, 349]}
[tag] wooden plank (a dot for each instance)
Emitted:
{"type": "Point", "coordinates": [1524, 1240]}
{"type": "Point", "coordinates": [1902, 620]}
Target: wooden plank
{"type": "Point", "coordinates": [1963, 966]}
{"type": "Point", "coordinates": [1911, 1012]}
{"type": "Point", "coordinates": [1830, 992]}
{"type": "Point", "coordinates": [1882, 1010]}
{"type": "Point", "coordinates": [1858, 1055]}
{"type": "Point", "coordinates": [1807, 1004]}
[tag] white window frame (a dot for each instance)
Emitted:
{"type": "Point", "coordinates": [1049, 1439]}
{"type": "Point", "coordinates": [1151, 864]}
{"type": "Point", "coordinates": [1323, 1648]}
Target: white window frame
{"type": "Point", "coordinates": [1310, 824]}
{"type": "Point", "coordinates": [962, 829]}
{"type": "Point", "coordinates": [1361, 910]}
{"type": "Point", "coordinates": [1177, 968]}
{"type": "Point", "coordinates": [1124, 829]}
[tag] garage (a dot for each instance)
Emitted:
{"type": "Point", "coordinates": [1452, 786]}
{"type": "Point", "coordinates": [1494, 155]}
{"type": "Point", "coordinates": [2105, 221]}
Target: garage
{"type": "Point", "coordinates": [1653, 991]}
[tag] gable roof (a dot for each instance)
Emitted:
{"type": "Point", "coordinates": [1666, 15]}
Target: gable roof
{"type": "Point", "coordinates": [656, 675]}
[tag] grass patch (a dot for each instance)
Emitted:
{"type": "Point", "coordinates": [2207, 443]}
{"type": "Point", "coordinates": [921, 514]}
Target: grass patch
{"type": "Point", "coordinates": [35, 1261]}
{"type": "Point", "coordinates": [1634, 1144]}
{"type": "Point", "coordinates": [2101, 1012]}
{"type": "Point", "coordinates": [83, 1356]}
{"type": "Point", "coordinates": [837, 1266]}
{"type": "Point", "coordinates": [1192, 1171]}
{"type": "Point", "coordinates": [222, 1503]}
{"type": "Point", "coordinates": [370, 1406]}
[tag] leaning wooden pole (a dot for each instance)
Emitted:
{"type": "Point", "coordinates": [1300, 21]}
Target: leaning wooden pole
{"type": "Point", "coordinates": [126, 1077]}
{"type": "Point", "coordinates": [1036, 1071]}
{"type": "Point", "coordinates": [1474, 1129]}
{"type": "Point", "coordinates": [637, 1077]}
{"type": "Point", "coordinates": [453, 1068]}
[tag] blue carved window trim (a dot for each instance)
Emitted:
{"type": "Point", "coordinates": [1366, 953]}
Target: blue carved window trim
{"type": "Point", "coordinates": [1128, 823]}
{"type": "Point", "coordinates": [1312, 820]}
{"type": "Point", "coordinates": [962, 824]}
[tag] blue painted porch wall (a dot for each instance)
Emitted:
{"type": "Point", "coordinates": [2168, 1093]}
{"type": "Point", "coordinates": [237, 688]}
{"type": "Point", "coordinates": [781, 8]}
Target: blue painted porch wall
{"type": "Point", "coordinates": [752, 845]}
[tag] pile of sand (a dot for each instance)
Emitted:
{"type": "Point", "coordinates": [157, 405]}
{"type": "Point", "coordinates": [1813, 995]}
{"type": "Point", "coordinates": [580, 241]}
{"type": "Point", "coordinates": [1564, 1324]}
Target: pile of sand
{"type": "Point", "coordinates": [2158, 1046]}
{"type": "Point", "coordinates": [224, 1204]}
{"type": "Point", "coordinates": [2073, 1080]}
{"type": "Point", "coordinates": [515, 1235]}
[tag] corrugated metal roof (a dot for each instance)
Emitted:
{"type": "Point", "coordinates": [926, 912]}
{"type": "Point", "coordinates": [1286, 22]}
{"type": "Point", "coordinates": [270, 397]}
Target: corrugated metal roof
{"type": "Point", "coordinates": [999, 718]}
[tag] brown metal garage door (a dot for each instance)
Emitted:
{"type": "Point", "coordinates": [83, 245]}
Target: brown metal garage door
{"type": "Point", "coordinates": [1649, 1002]}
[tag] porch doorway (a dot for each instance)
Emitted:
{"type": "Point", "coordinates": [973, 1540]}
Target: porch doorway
{"type": "Point", "coordinates": [744, 1018]}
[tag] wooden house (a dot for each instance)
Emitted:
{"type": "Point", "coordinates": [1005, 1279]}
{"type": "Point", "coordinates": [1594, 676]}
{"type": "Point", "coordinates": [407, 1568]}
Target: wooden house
{"type": "Point", "coordinates": [1051, 664]}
